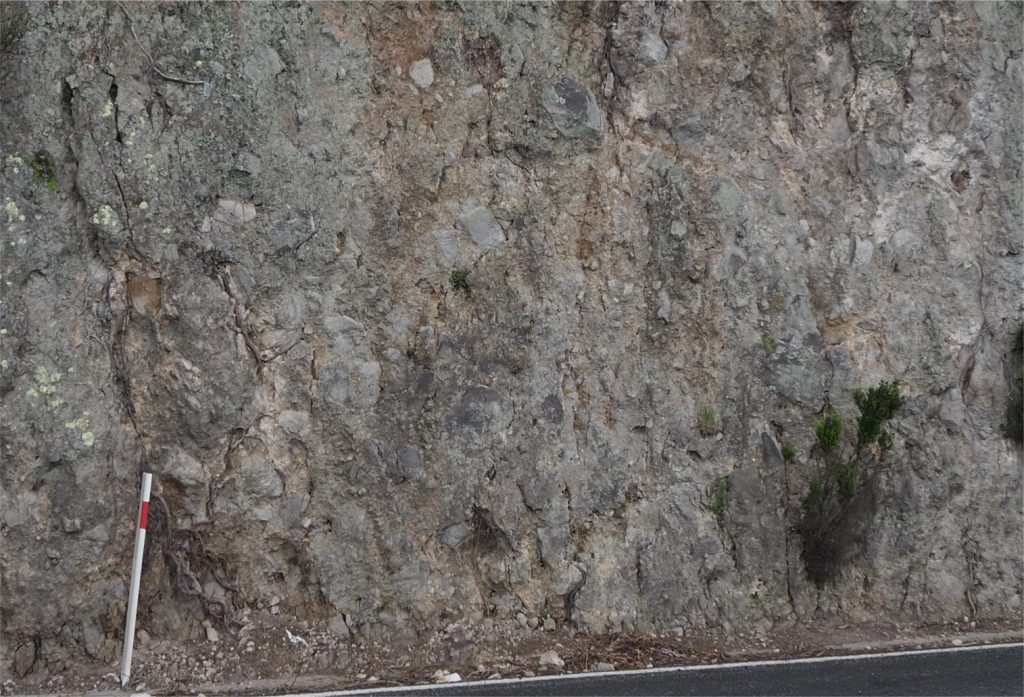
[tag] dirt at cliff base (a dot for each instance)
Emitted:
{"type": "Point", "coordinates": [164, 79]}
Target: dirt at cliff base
{"type": "Point", "coordinates": [262, 657]}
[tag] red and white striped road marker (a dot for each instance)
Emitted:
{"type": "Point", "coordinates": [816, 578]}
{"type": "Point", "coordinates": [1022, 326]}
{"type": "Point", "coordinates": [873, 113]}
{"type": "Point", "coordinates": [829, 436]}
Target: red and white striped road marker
{"type": "Point", "coordinates": [133, 595]}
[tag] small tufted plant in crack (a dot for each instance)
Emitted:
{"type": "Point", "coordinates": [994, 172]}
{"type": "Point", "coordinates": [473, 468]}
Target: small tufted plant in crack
{"type": "Point", "coordinates": [45, 169]}
{"type": "Point", "coordinates": [459, 279]}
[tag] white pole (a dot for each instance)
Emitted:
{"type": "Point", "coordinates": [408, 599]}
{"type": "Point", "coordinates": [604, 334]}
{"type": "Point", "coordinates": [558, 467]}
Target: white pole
{"type": "Point", "coordinates": [133, 594]}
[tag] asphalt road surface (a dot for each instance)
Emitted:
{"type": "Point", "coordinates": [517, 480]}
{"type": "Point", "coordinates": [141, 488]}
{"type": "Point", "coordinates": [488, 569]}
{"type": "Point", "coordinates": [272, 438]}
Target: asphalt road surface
{"type": "Point", "coordinates": [989, 670]}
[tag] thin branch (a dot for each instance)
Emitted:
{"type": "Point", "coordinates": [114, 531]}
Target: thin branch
{"type": "Point", "coordinates": [152, 63]}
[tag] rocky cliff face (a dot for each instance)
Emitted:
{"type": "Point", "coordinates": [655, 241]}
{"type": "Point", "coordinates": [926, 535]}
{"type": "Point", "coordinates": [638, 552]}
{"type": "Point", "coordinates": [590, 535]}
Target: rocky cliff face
{"type": "Point", "coordinates": [426, 313]}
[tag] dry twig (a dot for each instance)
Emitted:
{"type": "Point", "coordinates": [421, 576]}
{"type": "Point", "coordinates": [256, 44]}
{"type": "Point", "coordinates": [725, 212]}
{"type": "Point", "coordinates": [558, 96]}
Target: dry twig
{"type": "Point", "coordinates": [152, 63]}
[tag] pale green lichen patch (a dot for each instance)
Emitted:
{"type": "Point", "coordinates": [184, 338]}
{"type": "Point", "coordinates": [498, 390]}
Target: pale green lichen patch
{"type": "Point", "coordinates": [46, 381]}
{"type": "Point", "coordinates": [82, 424]}
{"type": "Point", "coordinates": [105, 217]}
{"type": "Point", "coordinates": [13, 213]}
{"type": "Point", "coordinates": [15, 163]}
{"type": "Point", "coordinates": [108, 110]}
{"type": "Point", "coordinates": [79, 424]}
{"type": "Point", "coordinates": [143, 206]}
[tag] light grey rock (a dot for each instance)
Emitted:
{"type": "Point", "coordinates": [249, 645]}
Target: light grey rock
{"type": "Point", "coordinates": [24, 659]}
{"type": "Point", "coordinates": [572, 580]}
{"type": "Point", "coordinates": [551, 659]}
{"type": "Point", "coordinates": [264, 64]}
{"type": "Point", "coordinates": [422, 73]}
{"type": "Point", "coordinates": [448, 247]}
{"type": "Point", "coordinates": [214, 591]}
{"type": "Point", "coordinates": [295, 423]}
{"type": "Point", "coordinates": [408, 464]}
{"type": "Point", "coordinates": [340, 324]}
{"type": "Point", "coordinates": [483, 228]}
{"type": "Point", "coordinates": [454, 535]}
{"type": "Point", "coordinates": [554, 542]}
{"type": "Point", "coordinates": [20, 512]}
{"type": "Point", "coordinates": [92, 636]}
{"type": "Point", "coordinates": [339, 628]}
{"type": "Point", "coordinates": [262, 479]}
{"type": "Point", "coordinates": [654, 48]}
{"type": "Point", "coordinates": [664, 311]}
{"type": "Point", "coordinates": [352, 384]}
{"type": "Point", "coordinates": [727, 195]}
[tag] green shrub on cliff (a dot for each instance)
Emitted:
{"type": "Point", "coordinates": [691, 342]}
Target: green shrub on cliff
{"type": "Point", "coordinates": [720, 495]}
{"type": "Point", "coordinates": [1013, 425]}
{"type": "Point", "coordinates": [829, 431]}
{"type": "Point", "coordinates": [877, 405]}
{"type": "Point", "coordinates": [841, 485]}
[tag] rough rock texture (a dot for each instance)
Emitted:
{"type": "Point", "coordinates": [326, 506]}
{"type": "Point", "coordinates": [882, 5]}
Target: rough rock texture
{"type": "Point", "coordinates": [243, 283]}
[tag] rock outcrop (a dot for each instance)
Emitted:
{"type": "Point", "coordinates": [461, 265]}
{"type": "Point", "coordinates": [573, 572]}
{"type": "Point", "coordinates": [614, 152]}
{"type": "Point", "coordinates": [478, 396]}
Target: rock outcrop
{"type": "Point", "coordinates": [414, 311]}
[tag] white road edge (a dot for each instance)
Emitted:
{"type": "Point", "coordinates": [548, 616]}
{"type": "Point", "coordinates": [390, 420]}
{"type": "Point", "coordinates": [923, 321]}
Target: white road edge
{"type": "Point", "coordinates": [647, 671]}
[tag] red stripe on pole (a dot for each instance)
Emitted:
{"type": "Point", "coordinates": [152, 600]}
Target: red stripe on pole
{"type": "Point", "coordinates": [143, 515]}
